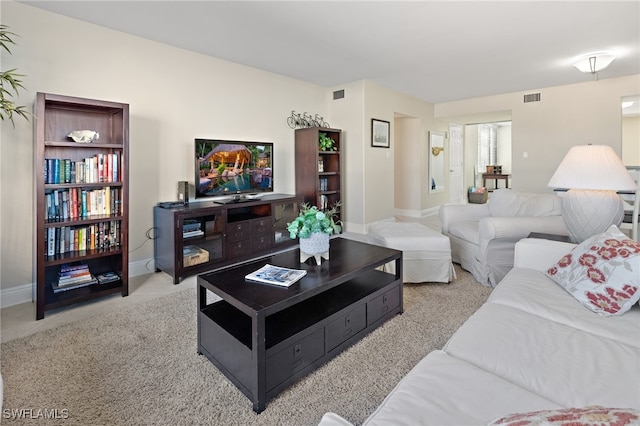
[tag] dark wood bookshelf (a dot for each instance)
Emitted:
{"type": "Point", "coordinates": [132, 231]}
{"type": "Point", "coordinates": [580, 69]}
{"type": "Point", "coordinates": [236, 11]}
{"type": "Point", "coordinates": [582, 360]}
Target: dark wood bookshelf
{"type": "Point", "coordinates": [309, 177]}
{"type": "Point", "coordinates": [57, 116]}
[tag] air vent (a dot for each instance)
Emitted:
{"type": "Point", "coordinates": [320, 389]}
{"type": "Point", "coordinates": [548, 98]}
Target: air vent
{"type": "Point", "coordinates": [532, 97]}
{"type": "Point", "coordinates": [338, 94]}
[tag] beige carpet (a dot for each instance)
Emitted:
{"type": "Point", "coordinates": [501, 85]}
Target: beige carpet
{"type": "Point", "coordinates": [139, 366]}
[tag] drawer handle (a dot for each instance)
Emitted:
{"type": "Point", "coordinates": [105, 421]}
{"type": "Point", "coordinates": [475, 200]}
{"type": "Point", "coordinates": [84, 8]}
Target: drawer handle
{"type": "Point", "coordinates": [385, 308]}
{"type": "Point", "coordinates": [297, 350]}
{"type": "Point", "coordinates": [384, 299]}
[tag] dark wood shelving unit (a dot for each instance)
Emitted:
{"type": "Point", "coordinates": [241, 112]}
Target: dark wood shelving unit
{"type": "Point", "coordinates": [312, 180]}
{"type": "Point", "coordinates": [56, 117]}
{"type": "Point", "coordinates": [231, 232]}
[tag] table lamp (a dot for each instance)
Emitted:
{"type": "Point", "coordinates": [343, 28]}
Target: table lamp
{"type": "Point", "coordinates": [592, 174]}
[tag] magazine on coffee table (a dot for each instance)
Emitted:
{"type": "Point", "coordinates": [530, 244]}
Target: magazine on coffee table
{"type": "Point", "coordinates": [276, 275]}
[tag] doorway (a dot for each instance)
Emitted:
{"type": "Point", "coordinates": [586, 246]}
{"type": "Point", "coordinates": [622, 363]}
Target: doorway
{"type": "Point", "coordinates": [456, 164]}
{"type": "Point", "coordinates": [487, 144]}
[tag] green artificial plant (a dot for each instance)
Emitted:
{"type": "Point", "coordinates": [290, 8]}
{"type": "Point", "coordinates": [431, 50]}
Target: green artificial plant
{"type": "Point", "coordinates": [325, 142]}
{"type": "Point", "coordinates": [10, 83]}
{"type": "Point", "coordinates": [311, 220]}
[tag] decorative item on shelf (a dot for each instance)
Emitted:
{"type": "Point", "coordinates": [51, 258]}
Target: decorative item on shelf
{"type": "Point", "coordinates": [325, 143]}
{"type": "Point", "coordinates": [320, 166]}
{"type": "Point", "coordinates": [84, 136]}
{"type": "Point", "coordinates": [591, 174]}
{"type": "Point", "coordinates": [436, 150]}
{"type": "Point", "coordinates": [304, 120]}
{"type": "Point", "coordinates": [313, 227]}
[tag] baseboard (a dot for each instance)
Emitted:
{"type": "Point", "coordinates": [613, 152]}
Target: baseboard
{"type": "Point", "coordinates": [15, 295]}
{"type": "Point", "coordinates": [23, 293]}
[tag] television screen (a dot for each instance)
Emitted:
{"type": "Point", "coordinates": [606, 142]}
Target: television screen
{"type": "Point", "coordinates": [226, 167]}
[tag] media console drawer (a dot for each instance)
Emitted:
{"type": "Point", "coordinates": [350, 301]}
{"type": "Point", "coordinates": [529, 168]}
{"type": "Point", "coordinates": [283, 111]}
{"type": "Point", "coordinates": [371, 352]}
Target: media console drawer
{"type": "Point", "coordinates": [238, 248]}
{"type": "Point", "coordinates": [237, 231]}
{"type": "Point", "coordinates": [262, 226]}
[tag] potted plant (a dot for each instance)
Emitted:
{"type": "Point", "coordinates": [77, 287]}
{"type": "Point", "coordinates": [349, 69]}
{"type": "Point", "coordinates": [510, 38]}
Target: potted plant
{"type": "Point", "coordinates": [325, 143]}
{"type": "Point", "coordinates": [314, 226]}
{"type": "Point", "coordinates": [10, 83]}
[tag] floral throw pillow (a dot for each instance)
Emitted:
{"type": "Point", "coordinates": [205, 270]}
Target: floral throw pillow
{"type": "Point", "coordinates": [586, 416]}
{"type": "Point", "coordinates": [603, 272]}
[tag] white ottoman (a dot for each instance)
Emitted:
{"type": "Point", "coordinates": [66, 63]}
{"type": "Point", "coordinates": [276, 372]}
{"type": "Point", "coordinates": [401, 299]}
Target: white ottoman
{"type": "Point", "coordinates": [426, 253]}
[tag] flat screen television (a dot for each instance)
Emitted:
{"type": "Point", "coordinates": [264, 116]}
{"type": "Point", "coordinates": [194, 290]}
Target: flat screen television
{"type": "Point", "coordinates": [226, 167]}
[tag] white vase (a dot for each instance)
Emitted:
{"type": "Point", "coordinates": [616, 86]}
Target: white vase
{"type": "Point", "coordinates": [316, 246]}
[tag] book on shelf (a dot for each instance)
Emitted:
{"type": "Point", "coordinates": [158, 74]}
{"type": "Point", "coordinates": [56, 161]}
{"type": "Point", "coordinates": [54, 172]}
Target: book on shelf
{"type": "Point", "coordinates": [66, 239]}
{"type": "Point", "coordinates": [196, 233]}
{"type": "Point", "coordinates": [276, 275]}
{"type": "Point", "coordinates": [107, 277]}
{"type": "Point", "coordinates": [57, 288]}
{"type": "Point", "coordinates": [73, 275]}
{"type": "Point", "coordinates": [99, 168]}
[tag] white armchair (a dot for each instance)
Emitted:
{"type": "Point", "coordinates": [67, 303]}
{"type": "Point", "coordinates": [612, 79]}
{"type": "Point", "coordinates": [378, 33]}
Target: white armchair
{"type": "Point", "coordinates": [483, 236]}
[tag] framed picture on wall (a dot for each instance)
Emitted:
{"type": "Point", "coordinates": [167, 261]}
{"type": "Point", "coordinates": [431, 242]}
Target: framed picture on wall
{"type": "Point", "coordinates": [380, 130]}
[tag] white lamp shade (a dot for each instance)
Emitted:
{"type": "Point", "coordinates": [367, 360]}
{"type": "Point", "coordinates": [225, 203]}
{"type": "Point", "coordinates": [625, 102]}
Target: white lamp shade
{"type": "Point", "coordinates": [595, 167]}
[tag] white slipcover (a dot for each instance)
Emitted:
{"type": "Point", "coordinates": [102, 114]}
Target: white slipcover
{"type": "Point", "coordinates": [426, 253]}
{"type": "Point", "coordinates": [530, 347]}
{"type": "Point", "coordinates": [483, 236]}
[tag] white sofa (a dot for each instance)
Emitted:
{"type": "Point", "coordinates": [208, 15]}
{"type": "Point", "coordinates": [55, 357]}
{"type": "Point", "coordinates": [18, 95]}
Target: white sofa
{"type": "Point", "coordinates": [530, 347]}
{"type": "Point", "coordinates": [483, 236]}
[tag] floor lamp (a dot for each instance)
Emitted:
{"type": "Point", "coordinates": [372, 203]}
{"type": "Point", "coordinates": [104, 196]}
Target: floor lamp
{"type": "Point", "coordinates": [592, 174]}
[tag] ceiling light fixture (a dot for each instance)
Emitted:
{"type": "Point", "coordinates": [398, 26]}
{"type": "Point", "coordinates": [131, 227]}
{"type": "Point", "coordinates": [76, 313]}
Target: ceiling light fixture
{"type": "Point", "coordinates": [594, 62]}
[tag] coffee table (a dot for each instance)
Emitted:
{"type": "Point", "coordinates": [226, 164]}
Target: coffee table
{"type": "Point", "coordinates": [264, 337]}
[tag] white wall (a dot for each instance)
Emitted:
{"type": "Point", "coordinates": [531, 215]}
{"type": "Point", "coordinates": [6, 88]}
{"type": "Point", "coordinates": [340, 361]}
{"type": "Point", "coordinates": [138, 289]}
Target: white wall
{"type": "Point", "coordinates": [569, 115]}
{"type": "Point", "coordinates": [631, 140]}
{"type": "Point", "coordinates": [174, 96]}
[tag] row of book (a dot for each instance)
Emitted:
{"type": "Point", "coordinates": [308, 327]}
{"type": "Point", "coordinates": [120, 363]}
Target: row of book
{"type": "Point", "coordinates": [97, 169]}
{"type": "Point", "coordinates": [75, 203]}
{"type": "Point", "coordinates": [77, 274]}
{"type": "Point", "coordinates": [68, 239]}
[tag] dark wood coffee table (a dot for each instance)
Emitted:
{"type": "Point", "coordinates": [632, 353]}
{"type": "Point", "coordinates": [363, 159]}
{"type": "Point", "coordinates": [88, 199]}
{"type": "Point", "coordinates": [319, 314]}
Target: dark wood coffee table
{"type": "Point", "coordinates": [264, 337]}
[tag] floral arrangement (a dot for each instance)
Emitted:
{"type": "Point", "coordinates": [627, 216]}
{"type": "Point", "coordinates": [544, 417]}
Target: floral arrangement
{"type": "Point", "coordinates": [311, 220]}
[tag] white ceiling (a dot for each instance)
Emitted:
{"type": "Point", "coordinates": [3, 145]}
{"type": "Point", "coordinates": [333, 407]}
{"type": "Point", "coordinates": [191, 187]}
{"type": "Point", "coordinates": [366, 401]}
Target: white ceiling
{"type": "Point", "coordinates": [434, 50]}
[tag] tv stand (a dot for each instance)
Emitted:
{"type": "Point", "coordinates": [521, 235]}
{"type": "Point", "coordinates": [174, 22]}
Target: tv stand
{"type": "Point", "coordinates": [199, 237]}
{"type": "Point", "coordinates": [236, 199]}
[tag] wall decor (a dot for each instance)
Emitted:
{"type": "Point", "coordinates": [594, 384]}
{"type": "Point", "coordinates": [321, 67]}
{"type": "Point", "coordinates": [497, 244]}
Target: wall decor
{"type": "Point", "coordinates": [305, 120]}
{"type": "Point", "coordinates": [380, 133]}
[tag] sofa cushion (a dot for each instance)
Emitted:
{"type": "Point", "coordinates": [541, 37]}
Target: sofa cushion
{"type": "Point", "coordinates": [443, 390]}
{"type": "Point", "coordinates": [531, 291]}
{"type": "Point", "coordinates": [603, 272]}
{"type": "Point", "coordinates": [567, 366]}
{"type": "Point", "coordinates": [585, 416]}
{"type": "Point", "coordinates": [506, 202]}
{"type": "Point", "coordinates": [539, 205]}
